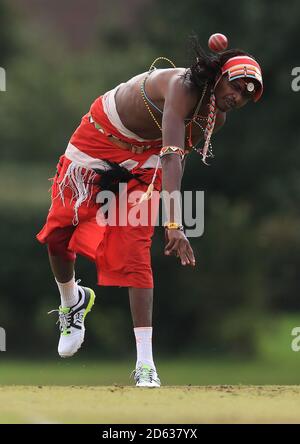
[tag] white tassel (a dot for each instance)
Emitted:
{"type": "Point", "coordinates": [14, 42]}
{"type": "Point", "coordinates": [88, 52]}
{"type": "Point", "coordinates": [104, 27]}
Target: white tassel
{"type": "Point", "coordinates": [148, 194]}
{"type": "Point", "coordinates": [81, 185]}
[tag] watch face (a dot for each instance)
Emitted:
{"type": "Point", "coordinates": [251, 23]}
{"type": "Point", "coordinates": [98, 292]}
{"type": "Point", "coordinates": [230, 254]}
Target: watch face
{"type": "Point", "coordinates": [250, 87]}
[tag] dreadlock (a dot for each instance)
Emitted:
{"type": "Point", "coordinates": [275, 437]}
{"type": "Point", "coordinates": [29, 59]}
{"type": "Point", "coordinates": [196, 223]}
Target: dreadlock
{"type": "Point", "coordinates": [207, 67]}
{"type": "Point", "coordinates": [203, 74]}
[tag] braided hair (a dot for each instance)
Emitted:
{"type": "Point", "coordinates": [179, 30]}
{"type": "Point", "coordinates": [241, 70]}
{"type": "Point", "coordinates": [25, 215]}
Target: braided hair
{"type": "Point", "coordinates": [203, 74]}
{"type": "Point", "coordinates": [206, 68]}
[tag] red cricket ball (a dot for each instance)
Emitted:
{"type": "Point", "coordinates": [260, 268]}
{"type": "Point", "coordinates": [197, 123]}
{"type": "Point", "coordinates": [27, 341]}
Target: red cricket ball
{"type": "Point", "coordinates": [217, 42]}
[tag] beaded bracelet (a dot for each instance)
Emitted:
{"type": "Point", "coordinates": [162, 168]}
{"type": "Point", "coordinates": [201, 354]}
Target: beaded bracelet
{"type": "Point", "coordinates": [172, 150]}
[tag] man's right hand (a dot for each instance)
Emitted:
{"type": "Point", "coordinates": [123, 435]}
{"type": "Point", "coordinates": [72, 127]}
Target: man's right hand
{"type": "Point", "coordinates": [178, 245]}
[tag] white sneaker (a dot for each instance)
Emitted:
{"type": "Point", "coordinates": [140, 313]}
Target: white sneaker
{"type": "Point", "coordinates": [145, 376]}
{"type": "Point", "coordinates": [71, 322]}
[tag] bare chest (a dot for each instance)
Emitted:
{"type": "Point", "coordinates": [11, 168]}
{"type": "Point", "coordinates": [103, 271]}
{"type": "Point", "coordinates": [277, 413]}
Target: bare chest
{"type": "Point", "coordinates": [142, 118]}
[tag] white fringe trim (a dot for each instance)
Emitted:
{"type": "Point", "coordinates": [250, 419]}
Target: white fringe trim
{"type": "Point", "coordinates": [80, 181]}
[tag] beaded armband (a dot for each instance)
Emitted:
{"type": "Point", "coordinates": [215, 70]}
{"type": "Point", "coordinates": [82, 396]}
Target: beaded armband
{"type": "Point", "coordinates": [172, 150]}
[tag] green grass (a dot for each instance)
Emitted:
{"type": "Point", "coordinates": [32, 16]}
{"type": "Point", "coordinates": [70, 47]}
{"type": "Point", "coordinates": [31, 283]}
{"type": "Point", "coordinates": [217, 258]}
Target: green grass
{"type": "Point", "coordinates": [276, 364]}
{"type": "Point", "coordinates": [179, 372]}
{"type": "Point", "coordinates": [168, 405]}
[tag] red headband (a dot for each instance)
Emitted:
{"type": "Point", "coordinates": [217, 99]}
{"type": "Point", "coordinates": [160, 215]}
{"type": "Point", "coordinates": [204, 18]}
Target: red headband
{"type": "Point", "coordinates": [244, 66]}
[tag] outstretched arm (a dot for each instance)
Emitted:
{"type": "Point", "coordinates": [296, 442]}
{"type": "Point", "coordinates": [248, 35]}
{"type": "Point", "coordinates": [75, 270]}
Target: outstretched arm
{"type": "Point", "coordinates": [177, 106]}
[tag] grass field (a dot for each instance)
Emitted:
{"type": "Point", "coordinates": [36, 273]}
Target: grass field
{"type": "Point", "coordinates": [172, 372]}
{"type": "Point", "coordinates": [168, 405]}
{"type": "Point", "coordinates": [73, 391]}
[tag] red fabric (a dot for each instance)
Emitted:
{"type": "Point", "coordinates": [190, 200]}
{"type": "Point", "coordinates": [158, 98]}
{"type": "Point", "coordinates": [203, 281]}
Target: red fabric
{"type": "Point", "coordinates": [90, 140]}
{"type": "Point", "coordinates": [121, 253]}
{"type": "Point", "coordinates": [240, 60]}
{"type": "Point", "coordinates": [59, 229]}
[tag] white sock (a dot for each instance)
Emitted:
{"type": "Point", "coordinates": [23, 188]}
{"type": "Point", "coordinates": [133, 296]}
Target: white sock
{"type": "Point", "coordinates": [68, 292]}
{"type": "Point", "coordinates": [143, 337]}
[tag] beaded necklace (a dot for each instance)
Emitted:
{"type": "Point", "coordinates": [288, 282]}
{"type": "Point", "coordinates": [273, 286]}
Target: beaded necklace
{"type": "Point", "coordinates": [206, 151]}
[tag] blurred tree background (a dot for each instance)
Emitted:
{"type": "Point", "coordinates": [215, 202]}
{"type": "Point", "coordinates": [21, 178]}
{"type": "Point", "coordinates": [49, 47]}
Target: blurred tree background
{"type": "Point", "coordinates": [59, 56]}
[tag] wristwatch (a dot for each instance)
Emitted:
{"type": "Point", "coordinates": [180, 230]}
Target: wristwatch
{"type": "Point", "coordinates": [173, 226]}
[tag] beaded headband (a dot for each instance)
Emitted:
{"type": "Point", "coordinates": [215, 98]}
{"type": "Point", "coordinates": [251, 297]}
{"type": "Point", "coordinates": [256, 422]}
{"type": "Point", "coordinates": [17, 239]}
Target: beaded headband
{"type": "Point", "coordinates": [244, 66]}
{"type": "Point", "coordinates": [236, 67]}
